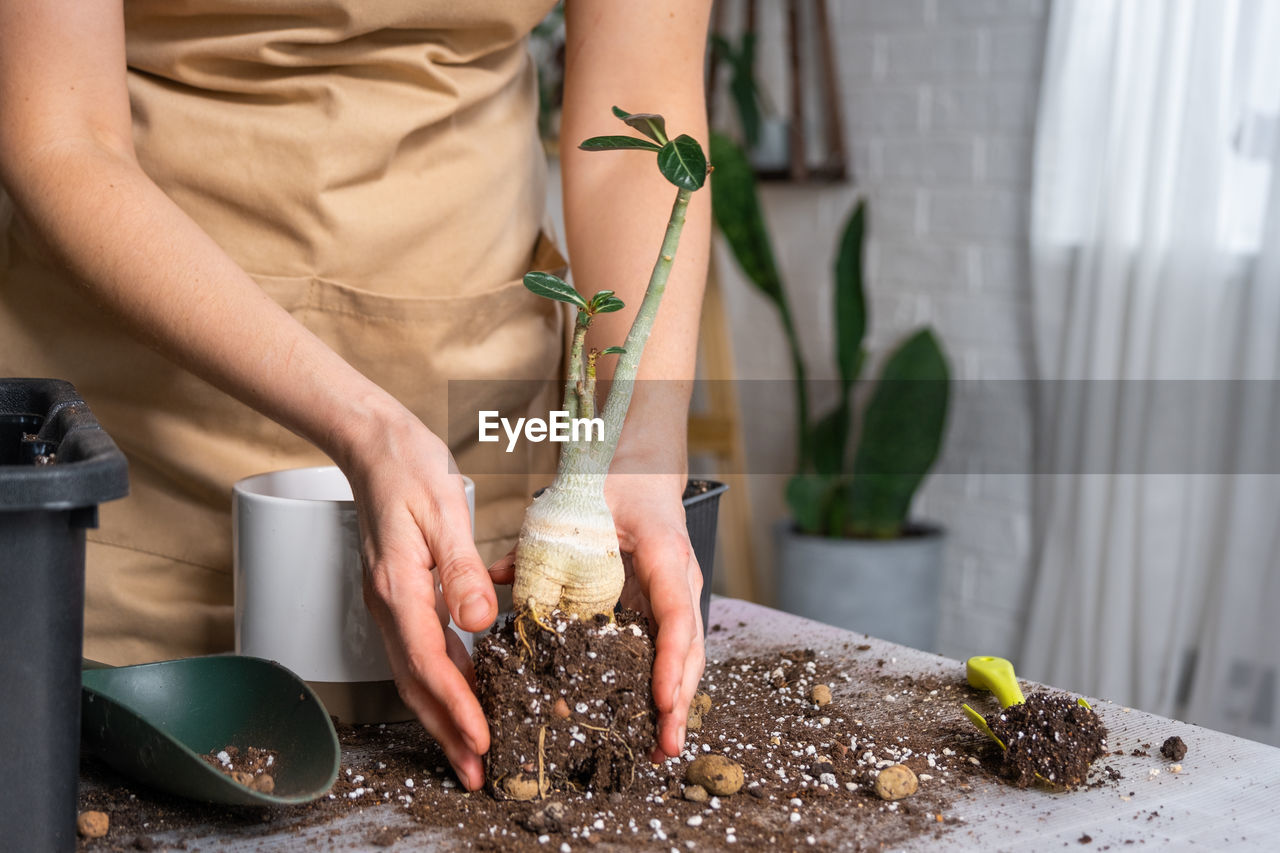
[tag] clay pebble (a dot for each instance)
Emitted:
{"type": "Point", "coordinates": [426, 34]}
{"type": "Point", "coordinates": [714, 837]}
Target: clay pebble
{"type": "Point", "coordinates": [696, 794]}
{"type": "Point", "coordinates": [522, 786]}
{"type": "Point", "coordinates": [92, 824]}
{"type": "Point", "coordinates": [896, 782]}
{"type": "Point", "coordinates": [719, 774]}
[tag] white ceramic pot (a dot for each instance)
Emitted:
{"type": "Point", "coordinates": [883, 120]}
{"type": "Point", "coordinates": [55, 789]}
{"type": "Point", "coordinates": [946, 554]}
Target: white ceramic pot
{"type": "Point", "coordinates": [299, 596]}
{"type": "Point", "coordinates": [887, 588]}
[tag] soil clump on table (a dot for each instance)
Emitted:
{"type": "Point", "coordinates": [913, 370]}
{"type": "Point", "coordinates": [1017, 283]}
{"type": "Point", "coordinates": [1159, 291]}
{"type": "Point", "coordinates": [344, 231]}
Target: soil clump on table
{"type": "Point", "coordinates": [1174, 749]}
{"type": "Point", "coordinates": [1051, 735]}
{"type": "Point", "coordinates": [569, 703]}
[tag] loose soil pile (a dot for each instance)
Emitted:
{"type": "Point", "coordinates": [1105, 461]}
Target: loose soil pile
{"type": "Point", "coordinates": [252, 767]}
{"type": "Point", "coordinates": [569, 703]}
{"type": "Point", "coordinates": [1051, 735]}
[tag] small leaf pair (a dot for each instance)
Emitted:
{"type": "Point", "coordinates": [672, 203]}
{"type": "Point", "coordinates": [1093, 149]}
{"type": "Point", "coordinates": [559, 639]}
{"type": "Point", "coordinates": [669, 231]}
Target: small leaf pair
{"type": "Point", "coordinates": [553, 287]}
{"type": "Point", "coordinates": [681, 160]}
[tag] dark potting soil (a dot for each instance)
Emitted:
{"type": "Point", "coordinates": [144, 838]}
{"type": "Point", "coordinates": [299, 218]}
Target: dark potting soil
{"type": "Point", "coordinates": [1174, 749]}
{"type": "Point", "coordinates": [569, 703]}
{"type": "Point", "coordinates": [39, 459]}
{"type": "Point", "coordinates": [694, 488]}
{"type": "Point", "coordinates": [1049, 734]}
{"type": "Point", "coordinates": [809, 773]}
{"type": "Point", "coordinates": [252, 766]}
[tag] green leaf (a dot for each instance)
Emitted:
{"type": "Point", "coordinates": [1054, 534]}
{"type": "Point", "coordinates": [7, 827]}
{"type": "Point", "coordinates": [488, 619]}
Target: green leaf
{"type": "Point", "coordinates": [651, 125]}
{"type": "Point", "coordinates": [736, 206]}
{"type": "Point", "coordinates": [721, 45]}
{"type": "Point", "coordinates": [683, 163]}
{"type": "Point", "coordinates": [807, 498]}
{"type": "Point", "coordinates": [850, 307]}
{"type": "Point", "coordinates": [608, 305]}
{"type": "Point", "coordinates": [553, 287]}
{"type": "Point", "coordinates": [613, 351]}
{"type": "Point", "coordinates": [594, 303]}
{"type": "Point", "coordinates": [901, 436]}
{"type": "Point", "coordinates": [745, 92]}
{"type": "Point", "coordinates": [830, 440]}
{"type": "Point", "coordinates": [616, 143]}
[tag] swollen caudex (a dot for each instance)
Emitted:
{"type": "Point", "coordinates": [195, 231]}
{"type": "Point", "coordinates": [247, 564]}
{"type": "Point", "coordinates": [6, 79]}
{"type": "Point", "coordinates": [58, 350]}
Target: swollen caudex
{"type": "Point", "coordinates": [568, 555]}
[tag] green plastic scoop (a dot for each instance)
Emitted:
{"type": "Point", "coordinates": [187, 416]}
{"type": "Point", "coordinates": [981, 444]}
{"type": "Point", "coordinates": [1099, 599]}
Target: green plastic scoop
{"type": "Point", "coordinates": [153, 722]}
{"type": "Point", "coordinates": [996, 675]}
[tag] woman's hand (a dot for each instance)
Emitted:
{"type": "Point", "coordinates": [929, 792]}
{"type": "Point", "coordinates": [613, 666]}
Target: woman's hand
{"type": "Point", "coordinates": [415, 530]}
{"type": "Point", "coordinates": [664, 581]}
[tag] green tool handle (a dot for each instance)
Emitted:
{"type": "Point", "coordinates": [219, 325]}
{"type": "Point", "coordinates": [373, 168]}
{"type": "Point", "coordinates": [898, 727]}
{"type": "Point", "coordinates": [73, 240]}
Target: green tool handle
{"type": "Point", "coordinates": [995, 674]}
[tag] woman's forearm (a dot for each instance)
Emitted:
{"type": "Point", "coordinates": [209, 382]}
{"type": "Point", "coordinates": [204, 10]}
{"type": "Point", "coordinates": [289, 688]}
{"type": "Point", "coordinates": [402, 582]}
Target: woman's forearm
{"type": "Point", "coordinates": [617, 204]}
{"type": "Point", "coordinates": [140, 257]}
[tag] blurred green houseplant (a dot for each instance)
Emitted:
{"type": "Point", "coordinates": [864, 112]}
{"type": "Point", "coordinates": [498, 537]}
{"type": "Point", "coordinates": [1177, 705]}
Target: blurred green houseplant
{"type": "Point", "coordinates": [842, 488]}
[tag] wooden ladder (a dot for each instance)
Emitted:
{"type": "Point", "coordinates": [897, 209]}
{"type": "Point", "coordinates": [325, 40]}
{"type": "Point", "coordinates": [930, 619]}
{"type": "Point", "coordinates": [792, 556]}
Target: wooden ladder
{"type": "Point", "coordinates": [716, 431]}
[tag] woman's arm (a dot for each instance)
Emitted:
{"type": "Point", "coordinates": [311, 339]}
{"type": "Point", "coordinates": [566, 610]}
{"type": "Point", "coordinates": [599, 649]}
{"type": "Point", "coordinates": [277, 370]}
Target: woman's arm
{"type": "Point", "coordinates": [644, 57]}
{"type": "Point", "coordinates": [67, 160]}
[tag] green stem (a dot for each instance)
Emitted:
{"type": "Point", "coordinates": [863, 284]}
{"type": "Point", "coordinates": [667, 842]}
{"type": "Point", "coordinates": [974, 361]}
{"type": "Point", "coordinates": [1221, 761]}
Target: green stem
{"type": "Point", "coordinates": [600, 453]}
{"type": "Point", "coordinates": [573, 404]}
{"type": "Point", "coordinates": [587, 399]}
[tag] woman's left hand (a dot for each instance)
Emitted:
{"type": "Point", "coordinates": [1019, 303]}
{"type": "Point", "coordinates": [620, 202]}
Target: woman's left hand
{"type": "Point", "coordinates": [664, 581]}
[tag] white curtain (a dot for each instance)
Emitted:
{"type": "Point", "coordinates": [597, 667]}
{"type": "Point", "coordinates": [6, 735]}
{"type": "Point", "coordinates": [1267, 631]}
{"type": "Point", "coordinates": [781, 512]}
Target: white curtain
{"type": "Point", "coordinates": [1156, 304]}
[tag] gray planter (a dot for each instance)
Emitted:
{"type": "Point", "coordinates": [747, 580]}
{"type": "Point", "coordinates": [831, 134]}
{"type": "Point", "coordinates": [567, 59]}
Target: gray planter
{"type": "Point", "coordinates": [889, 589]}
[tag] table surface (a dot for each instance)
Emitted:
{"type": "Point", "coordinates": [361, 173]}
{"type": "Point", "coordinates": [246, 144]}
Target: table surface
{"type": "Point", "coordinates": [1227, 793]}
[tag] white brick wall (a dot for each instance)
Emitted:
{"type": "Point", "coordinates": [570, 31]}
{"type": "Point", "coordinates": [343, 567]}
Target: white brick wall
{"type": "Point", "coordinates": [939, 99]}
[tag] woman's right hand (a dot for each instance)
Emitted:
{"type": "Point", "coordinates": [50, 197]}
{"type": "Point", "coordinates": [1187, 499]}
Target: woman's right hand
{"type": "Point", "coordinates": [415, 526]}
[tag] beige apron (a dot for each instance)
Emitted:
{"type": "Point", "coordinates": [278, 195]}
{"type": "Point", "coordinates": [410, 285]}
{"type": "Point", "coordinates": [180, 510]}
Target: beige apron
{"type": "Point", "coordinates": [375, 167]}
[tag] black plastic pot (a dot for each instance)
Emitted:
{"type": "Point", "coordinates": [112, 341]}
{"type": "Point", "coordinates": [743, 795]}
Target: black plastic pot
{"type": "Point", "coordinates": [701, 514]}
{"type": "Point", "coordinates": [56, 466]}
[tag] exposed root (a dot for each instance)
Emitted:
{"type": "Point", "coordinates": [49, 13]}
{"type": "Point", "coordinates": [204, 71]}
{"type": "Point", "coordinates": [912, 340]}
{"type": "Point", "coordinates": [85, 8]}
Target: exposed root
{"type": "Point", "coordinates": [542, 757]}
{"type": "Point", "coordinates": [533, 614]}
{"type": "Point", "coordinates": [520, 634]}
{"type": "Point", "coordinates": [528, 612]}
